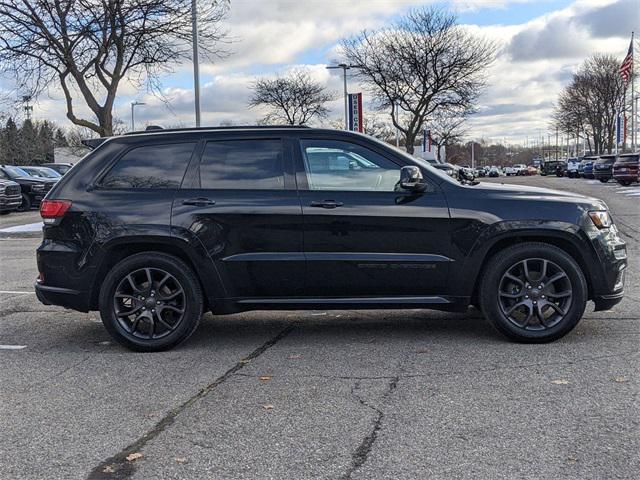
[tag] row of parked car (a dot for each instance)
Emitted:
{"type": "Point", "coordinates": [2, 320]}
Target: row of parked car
{"type": "Point", "coordinates": [23, 187]}
{"type": "Point", "coordinates": [624, 168]}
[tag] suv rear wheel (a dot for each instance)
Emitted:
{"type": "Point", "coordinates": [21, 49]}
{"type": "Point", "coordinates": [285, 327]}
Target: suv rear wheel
{"type": "Point", "coordinates": [151, 302]}
{"type": "Point", "coordinates": [533, 293]}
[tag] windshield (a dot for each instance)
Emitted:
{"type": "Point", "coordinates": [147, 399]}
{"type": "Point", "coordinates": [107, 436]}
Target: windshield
{"type": "Point", "coordinates": [16, 171]}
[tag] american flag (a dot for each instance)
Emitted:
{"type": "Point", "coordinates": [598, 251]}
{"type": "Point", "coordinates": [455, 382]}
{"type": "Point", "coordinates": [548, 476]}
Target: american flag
{"type": "Point", "coordinates": [626, 69]}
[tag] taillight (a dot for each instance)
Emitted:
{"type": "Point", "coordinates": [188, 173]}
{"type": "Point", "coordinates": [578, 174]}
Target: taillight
{"type": "Point", "coordinates": [51, 210]}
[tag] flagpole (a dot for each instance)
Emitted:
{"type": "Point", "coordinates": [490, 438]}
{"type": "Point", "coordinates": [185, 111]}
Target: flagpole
{"type": "Point", "coordinates": [633, 95]}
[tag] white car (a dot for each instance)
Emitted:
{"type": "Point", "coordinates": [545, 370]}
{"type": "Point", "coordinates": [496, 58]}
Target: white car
{"type": "Point", "coordinates": [572, 167]}
{"type": "Point", "coordinates": [508, 171]}
{"type": "Point", "coordinates": [520, 168]}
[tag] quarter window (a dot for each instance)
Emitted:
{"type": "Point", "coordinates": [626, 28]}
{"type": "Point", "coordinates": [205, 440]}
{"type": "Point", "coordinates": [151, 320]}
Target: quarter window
{"type": "Point", "coordinates": [152, 166]}
{"type": "Point", "coordinates": [337, 165]}
{"type": "Point", "coordinates": [243, 164]}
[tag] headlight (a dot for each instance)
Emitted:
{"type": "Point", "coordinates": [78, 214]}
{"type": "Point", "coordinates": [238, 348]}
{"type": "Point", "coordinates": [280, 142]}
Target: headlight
{"type": "Point", "coordinates": [600, 218]}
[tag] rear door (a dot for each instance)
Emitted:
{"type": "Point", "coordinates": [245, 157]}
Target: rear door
{"type": "Point", "coordinates": [241, 205]}
{"type": "Point", "coordinates": [363, 234]}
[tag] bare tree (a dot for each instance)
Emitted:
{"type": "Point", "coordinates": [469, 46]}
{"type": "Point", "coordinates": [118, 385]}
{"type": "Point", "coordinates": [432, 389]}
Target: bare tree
{"type": "Point", "coordinates": [89, 47]}
{"type": "Point", "coordinates": [589, 104]}
{"type": "Point", "coordinates": [447, 127]}
{"type": "Point", "coordinates": [294, 99]}
{"type": "Point", "coordinates": [423, 63]}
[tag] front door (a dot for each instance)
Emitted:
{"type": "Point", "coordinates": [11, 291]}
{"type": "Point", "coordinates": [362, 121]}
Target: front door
{"type": "Point", "coordinates": [363, 234]}
{"type": "Point", "coordinates": [241, 204]}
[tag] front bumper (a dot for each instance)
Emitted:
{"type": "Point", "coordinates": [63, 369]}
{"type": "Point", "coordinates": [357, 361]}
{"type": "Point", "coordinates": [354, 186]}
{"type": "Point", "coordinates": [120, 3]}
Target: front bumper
{"type": "Point", "coordinates": [10, 203]}
{"type": "Point", "coordinates": [608, 273]}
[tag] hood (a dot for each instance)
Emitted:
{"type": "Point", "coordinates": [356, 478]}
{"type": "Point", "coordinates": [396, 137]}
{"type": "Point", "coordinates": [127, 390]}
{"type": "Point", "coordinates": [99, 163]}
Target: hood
{"type": "Point", "coordinates": [34, 180]}
{"type": "Point", "coordinates": [533, 193]}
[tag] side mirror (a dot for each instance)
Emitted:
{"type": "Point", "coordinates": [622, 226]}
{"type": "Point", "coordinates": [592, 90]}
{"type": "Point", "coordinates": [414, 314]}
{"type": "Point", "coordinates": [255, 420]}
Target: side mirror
{"type": "Point", "coordinates": [411, 179]}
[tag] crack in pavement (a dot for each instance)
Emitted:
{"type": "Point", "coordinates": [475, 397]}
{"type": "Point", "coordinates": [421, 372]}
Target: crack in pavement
{"type": "Point", "coordinates": [361, 454]}
{"type": "Point", "coordinates": [118, 467]}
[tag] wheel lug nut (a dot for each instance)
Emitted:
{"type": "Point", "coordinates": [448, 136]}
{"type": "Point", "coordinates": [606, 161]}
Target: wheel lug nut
{"type": "Point", "coordinates": [153, 310]}
{"type": "Point", "coordinates": [158, 302]}
{"type": "Point", "coordinates": [142, 298]}
{"type": "Point", "coordinates": [526, 296]}
{"type": "Point", "coordinates": [529, 287]}
{"type": "Point", "coordinates": [143, 308]}
{"type": "Point", "coordinates": [535, 303]}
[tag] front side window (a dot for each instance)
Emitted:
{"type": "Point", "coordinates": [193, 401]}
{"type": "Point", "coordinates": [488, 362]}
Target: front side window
{"type": "Point", "coordinates": [338, 165]}
{"type": "Point", "coordinates": [152, 166]}
{"type": "Point", "coordinates": [243, 164]}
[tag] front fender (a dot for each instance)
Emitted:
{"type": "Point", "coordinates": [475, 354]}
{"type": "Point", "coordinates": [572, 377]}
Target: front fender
{"type": "Point", "coordinates": [501, 234]}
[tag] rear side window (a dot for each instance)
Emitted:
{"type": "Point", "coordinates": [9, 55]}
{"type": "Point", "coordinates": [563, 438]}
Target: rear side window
{"type": "Point", "coordinates": [152, 166]}
{"type": "Point", "coordinates": [629, 159]}
{"type": "Point", "coordinates": [243, 164]}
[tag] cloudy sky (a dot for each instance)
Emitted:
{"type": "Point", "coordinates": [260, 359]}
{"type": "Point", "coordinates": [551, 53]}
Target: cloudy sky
{"type": "Point", "coordinates": [541, 44]}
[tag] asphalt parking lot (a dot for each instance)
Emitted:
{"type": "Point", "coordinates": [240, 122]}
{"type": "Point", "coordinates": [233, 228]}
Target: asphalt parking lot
{"type": "Point", "coordinates": [335, 394]}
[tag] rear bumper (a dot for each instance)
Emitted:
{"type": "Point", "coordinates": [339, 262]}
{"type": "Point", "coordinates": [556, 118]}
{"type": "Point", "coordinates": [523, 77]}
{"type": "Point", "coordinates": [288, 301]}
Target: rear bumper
{"type": "Point", "coordinates": [64, 297]}
{"type": "Point", "coordinates": [625, 177]}
{"type": "Point", "coordinates": [602, 174]}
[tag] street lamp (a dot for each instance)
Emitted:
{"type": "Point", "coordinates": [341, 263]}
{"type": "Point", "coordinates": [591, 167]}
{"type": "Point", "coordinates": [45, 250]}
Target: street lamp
{"type": "Point", "coordinates": [344, 68]}
{"type": "Point", "coordinates": [133, 121]}
{"type": "Point", "coordinates": [196, 67]}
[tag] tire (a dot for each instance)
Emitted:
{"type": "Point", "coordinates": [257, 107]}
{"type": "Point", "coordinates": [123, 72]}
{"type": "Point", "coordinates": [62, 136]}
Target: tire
{"type": "Point", "coordinates": [624, 183]}
{"type": "Point", "coordinates": [25, 206]}
{"type": "Point", "coordinates": [523, 323]}
{"type": "Point", "coordinates": [604, 180]}
{"type": "Point", "coordinates": [151, 328]}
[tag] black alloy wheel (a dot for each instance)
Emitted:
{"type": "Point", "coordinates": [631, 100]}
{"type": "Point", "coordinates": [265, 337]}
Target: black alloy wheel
{"type": "Point", "coordinates": [535, 294]}
{"type": "Point", "coordinates": [151, 301]}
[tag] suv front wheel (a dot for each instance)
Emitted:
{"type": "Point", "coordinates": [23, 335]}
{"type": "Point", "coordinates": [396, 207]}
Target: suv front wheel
{"type": "Point", "coordinates": [533, 292]}
{"type": "Point", "coordinates": [151, 302]}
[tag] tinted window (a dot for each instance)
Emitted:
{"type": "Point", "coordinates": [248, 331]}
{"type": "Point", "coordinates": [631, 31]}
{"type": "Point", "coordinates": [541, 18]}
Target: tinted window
{"type": "Point", "coordinates": [243, 164]}
{"type": "Point", "coordinates": [153, 166]}
{"type": "Point", "coordinates": [337, 165]}
{"type": "Point", "coordinates": [628, 159]}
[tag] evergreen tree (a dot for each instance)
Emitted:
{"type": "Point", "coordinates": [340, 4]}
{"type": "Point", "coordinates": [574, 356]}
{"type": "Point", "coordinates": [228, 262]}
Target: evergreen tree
{"type": "Point", "coordinates": [10, 143]}
{"type": "Point", "coordinates": [45, 142]}
{"type": "Point", "coordinates": [28, 144]}
{"type": "Point", "coordinates": [60, 139]}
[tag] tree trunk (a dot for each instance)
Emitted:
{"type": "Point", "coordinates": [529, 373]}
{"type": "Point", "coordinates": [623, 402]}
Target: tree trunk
{"type": "Point", "coordinates": [410, 138]}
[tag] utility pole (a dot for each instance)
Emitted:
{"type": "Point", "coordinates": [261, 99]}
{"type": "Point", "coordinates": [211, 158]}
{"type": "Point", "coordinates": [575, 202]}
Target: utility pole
{"type": "Point", "coordinates": [133, 121]}
{"type": "Point", "coordinates": [196, 66]}
{"type": "Point", "coordinates": [28, 109]}
{"type": "Point", "coordinates": [344, 68]}
{"type": "Point", "coordinates": [556, 143]}
{"type": "Point", "coordinates": [473, 154]}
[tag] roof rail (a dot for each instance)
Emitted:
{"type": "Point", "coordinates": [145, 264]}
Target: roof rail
{"type": "Point", "coordinates": [158, 129]}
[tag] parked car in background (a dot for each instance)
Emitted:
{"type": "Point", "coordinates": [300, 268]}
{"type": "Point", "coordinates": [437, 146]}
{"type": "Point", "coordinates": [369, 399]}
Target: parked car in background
{"type": "Point", "coordinates": [10, 195]}
{"type": "Point", "coordinates": [494, 172]}
{"type": "Point", "coordinates": [448, 168]}
{"type": "Point", "coordinates": [154, 229]}
{"type": "Point", "coordinates": [520, 168]}
{"type": "Point", "coordinates": [626, 169]}
{"type": "Point", "coordinates": [33, 188]}
{"type": "Point", "coordinates": [587, 166]}
{"type": "Point", "coordinates": [61, 168]}
{"type": "Point", "coordinates": [510, 170]}
{"type": "Point", "coordinates": [531, 170]}
{"type": "Point", "coordinates": [603, 168]}
{"type": "Point", "coordinates": [550, 167]}
{"type": "Point", "coordinates": [44, 172]}
{"type": "Point", "coordinates": [572, 167]}
{"type": "Point", "coordinates": [481, 172]}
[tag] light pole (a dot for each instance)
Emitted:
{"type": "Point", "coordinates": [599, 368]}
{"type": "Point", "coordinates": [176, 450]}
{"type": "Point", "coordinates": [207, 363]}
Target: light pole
{"type": "Point", "coordinates": [344, 68]}
{"type": "Point", "coordinates": [133, 121]}
{"type": "Point", "coordinates": [196, 67]}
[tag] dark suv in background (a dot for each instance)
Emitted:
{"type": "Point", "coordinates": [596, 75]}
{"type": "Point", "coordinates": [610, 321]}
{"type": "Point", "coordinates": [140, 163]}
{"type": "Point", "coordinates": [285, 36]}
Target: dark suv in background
{"type": "Point", "coordinates": [10, 195]}
{"type": "Point", "coordinates": [155, 228]}
{"type": "Point", "coordinates": [626, 170]}
{"type": "Point", "coordinates": [33, 189]}
{"type": "Point", "coordinates": [603, 167]}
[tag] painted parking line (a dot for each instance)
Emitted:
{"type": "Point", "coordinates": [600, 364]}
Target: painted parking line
{"type": "Point", "coordinates": [17, 292]}
{"type": "Point", "coordinates": [28, 227]}
{"type": "Point", "coordinates": [12, 347]}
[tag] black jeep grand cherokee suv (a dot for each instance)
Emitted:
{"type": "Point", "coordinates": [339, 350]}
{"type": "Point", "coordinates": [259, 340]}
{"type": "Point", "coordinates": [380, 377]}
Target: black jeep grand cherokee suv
{"type": "Point", "coordinates": [154, 228]}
